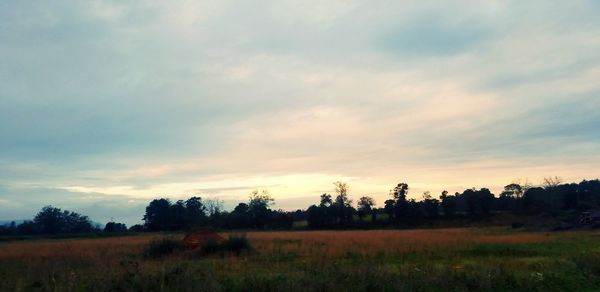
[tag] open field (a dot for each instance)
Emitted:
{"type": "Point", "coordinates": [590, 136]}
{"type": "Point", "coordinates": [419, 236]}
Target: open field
{"type": "Point", "coordinates": [437, 259]}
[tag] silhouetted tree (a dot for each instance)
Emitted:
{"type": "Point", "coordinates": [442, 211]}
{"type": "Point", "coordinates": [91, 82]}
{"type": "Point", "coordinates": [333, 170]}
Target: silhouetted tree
{"type": "Point", "coordinates": [195, 212]}
{"type": "Point", "coordinates": [511, 197]}
{"type": "Point", "coordinates": [157, 215]}
{"type": "Point", "coordinates": [448, 204]}
{"type": "Point", "coordinates": [513, 191]}
{"type": "Point", "coordinates": [213, 206]}
{"type": "Point", "coordinates": [430, 205]}
{"type": "Point", "coordinates": [343, 204]}
{"type": "Point", "coordinates": [115, 227]}
{"type": "Point", "coordinates": [389, 208]}
{"type": "Point", "coordinates": [49, 220]}
{"type": "Point", "coordinates": [177, 216]}
{"type": "Point", "coordinates": [486, 198]}
{"type": "Point", "coordinates": [326, 200]}
{"type": "Point", "coordinates": [589, 194]}
{"type": "Point", "coordinates": [317, 217]}
{"type": "Point", "coordinates": [365, 206]}
{"type": "Point", "coordinates": [53, 220]}
{"type": "Point", "coordinates": [259, 207]}
{"type": "Point", "coordinates": [240, 217]}
{"type": "Point", "coordinates": [536, 200]}
{"type": "Point", "coordinates": [137, 228]}
{"type": "Point", "coordinates": [553, 198]}
{"type": "Point", "coordinates": [551, 182]}
{"type": "Point", "coordinates": [282, 219]}
{"type": "Point", "coordinates": [401, 205]}
{"type": "Point", "coordinates": [479, 202]}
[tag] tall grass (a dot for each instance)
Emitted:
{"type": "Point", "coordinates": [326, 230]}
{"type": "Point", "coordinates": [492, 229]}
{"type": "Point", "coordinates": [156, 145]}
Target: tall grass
{"type": "Point", "coordinates": [425, 260]}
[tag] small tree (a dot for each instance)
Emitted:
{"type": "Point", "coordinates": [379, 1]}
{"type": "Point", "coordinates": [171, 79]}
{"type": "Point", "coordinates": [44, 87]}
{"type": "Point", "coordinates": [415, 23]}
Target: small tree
{"type": "Point", "coordinates": [115, 227]}
{"type": "Point", "coordinates": [512, 191]}
{"type": "Point", "coordinates": [326, 200]}
{"type": "Point", "coordinates": [365, 206]}
{"type": "Point", "coordinates": [552, 182]}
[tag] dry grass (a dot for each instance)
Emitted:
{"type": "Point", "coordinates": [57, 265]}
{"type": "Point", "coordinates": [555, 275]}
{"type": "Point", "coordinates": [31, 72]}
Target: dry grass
{"type": "Point", "coordinates": [321, 243]}
{"type": "Point", "coordinates": [53, 248]}
{"type": "Point", "coordinates": [335, 243]}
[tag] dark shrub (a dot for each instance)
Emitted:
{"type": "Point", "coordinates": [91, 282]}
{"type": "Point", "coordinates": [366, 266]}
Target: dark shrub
{"type": "Point", "coordinates": [210, 246]}
{"type": "Point", "coordinates": [162, 247]}
{"type": "Point", "coordinates": [517, 225]}
{"type": "Point", "coordinates": [234, 244]}
{"type": "Point", "coordinates": [237, 244]}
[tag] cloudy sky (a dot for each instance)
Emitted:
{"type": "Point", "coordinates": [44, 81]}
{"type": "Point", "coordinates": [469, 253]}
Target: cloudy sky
{"type": "Point", "coordinates": [106, 105]}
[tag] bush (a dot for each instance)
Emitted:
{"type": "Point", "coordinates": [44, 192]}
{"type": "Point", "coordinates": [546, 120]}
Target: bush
{"type": "Point", "coordinates": [162, 247]}
{"type": "Point", "coordinates": [234, 244]}
{"type": "Point", "coordinates": [237, 244]}
{"type": "Point", "coordinates": [517, 225]}
{"type": "Point", "coordinates": [210, 246]}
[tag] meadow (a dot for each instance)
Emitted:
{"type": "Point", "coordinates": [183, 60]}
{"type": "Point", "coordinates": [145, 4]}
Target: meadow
{"type": "Point", "coordinates": [460, 259]}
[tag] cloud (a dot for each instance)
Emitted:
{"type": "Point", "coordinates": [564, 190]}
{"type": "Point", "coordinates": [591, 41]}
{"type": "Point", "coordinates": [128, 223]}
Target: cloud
{"type": "Point", "coordinates": [130, 101]}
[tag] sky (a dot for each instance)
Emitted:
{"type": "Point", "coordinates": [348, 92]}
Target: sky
{"type": "Point", "coordinates": [105, 105]}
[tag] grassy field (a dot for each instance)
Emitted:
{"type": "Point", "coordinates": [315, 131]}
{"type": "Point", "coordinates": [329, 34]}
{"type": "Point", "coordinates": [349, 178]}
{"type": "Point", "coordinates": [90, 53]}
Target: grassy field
{"type": "Point", "coordinates": [389, 260]}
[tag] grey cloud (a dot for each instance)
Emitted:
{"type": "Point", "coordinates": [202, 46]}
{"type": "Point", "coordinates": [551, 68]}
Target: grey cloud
{"type": "Point", "coordinates": [88, 93]}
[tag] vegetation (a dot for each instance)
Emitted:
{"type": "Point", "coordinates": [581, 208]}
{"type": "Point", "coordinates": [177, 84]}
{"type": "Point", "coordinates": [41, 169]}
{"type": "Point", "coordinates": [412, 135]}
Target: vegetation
{"type": "Point", "coordinates": [234, 245]}
{"type": "Point", "coordinates": [490, 259]}
{"type": "Point", "coordinates": [161, 247]}
{"type": "Point", "coordinates": [553, 199]}
{"type": "Point", "coordinates": [51, 220]}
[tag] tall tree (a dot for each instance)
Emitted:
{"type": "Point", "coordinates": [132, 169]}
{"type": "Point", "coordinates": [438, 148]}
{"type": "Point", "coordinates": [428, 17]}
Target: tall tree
{"type": "Point", "coordinates": [195, 212]}
{"type": "Point", "coordinates": [259, 207]}
{"type": "Point", "coordinates": [401, 205]}
{"type": "Point", "coordinates": [157, 215]}
{"type": "Point", "coordinates": [343, 204]}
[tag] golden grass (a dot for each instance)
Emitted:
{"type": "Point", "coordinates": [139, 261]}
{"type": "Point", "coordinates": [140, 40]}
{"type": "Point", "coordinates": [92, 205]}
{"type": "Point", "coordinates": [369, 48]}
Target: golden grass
{"type": "Point", "coordinates": [320, 243]}
{"type": "Point", "coordinates": [52, 248]}
{"type": "Point", "coordinates": [335, 243]}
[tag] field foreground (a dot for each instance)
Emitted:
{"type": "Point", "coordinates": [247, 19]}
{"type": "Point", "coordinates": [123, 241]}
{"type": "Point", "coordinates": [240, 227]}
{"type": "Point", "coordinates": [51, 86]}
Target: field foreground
{"type": "Point", "coordinates": [429, 260]}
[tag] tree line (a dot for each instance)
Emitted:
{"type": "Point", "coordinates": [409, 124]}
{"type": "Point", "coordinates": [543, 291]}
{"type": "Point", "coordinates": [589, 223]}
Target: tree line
{"type": "Point", "coordinates": [334, 211]}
